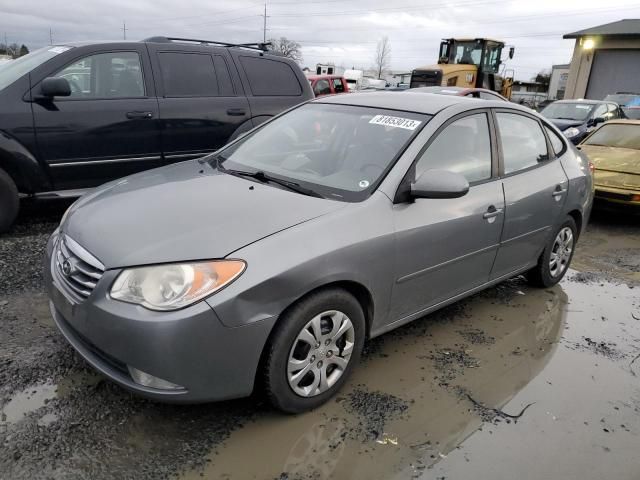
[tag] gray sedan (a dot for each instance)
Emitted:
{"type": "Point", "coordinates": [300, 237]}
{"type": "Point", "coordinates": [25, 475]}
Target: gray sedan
{"type": "Point", "coordinates": [272, 261]}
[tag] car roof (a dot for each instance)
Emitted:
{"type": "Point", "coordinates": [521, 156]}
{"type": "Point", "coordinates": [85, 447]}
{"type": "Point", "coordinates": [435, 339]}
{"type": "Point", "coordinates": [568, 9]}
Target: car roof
{"type": "Point", "coordinates": [584, 100]}
{"type": "Point", "coordinates": [316, 76]}
{"type": "Point", "coordinates": [426, 103]}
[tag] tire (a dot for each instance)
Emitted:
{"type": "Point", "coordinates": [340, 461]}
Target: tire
{"type": "Point", "coordinates": [9, 201]}
{"type": "Point", "coordinates": [546, 274]}
{"type": "Point", "coordinates": [302, 388]}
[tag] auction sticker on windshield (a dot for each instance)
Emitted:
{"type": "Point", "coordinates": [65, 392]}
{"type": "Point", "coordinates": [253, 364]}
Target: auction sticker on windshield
{"type": "Point", "coordinates": [399, 122]}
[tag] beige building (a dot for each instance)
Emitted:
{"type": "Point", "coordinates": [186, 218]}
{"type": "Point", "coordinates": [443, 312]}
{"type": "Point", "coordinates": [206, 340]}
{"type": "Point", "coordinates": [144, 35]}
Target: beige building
{"type": "Point", "coordinates": [606, 59]}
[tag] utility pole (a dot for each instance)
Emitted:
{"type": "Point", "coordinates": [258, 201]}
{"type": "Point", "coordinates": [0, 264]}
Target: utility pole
{"type": "Point", "coordinates": [50, 37]}
{"type": "Point", "coordinates": [124, 30]}
{"type": "Point", "coordinates": [264, 27]}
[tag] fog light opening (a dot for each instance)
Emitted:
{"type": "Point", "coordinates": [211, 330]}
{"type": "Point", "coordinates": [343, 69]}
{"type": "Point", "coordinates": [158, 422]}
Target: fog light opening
{"type": "Point", "coordinates": [147, 380]}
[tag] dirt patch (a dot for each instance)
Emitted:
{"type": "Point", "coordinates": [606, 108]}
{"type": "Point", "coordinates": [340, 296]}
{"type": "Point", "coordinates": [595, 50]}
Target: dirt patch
{"type": "Point", "coordinates": [373, 410]}
{"type": "Point", "coordinates": [450, 363]}
{"type": "Point", "coordinates": [476, 336]}
{"type": "Point", "coordinates": [604, 349]}
{"type": "Point", "coordinates": [585, 277]}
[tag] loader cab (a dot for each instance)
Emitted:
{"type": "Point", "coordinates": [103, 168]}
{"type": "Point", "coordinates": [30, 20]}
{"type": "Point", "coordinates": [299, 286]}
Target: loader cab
{"type": "Point", "coordinates": [483, 53]}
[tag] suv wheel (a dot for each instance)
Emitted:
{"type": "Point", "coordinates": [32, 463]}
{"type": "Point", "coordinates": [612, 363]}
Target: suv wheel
{"type": "Point", "coordinates": [313, 350]}
{"type": "Point", "coordinates": [9, 201]}
{"type": "Point", "coordinates": [556, 257]}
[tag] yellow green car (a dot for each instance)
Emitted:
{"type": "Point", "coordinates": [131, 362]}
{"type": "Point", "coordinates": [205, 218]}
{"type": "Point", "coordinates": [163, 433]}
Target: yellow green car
{"type": "Point", "coordinates": [614, 150]}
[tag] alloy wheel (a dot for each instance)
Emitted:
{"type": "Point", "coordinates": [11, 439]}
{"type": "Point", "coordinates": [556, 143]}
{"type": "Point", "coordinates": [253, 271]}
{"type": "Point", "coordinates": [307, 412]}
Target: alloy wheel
{"type": "Point", "coordinates": [561, 252]}
{"type": "Point", "coordinates": [320, 353]}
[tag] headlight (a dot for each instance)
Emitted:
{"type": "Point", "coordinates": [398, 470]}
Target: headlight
{"type": "Point", "coordinates": [174, 286]}
{"type": "Point", "coordinates": [571, 132]}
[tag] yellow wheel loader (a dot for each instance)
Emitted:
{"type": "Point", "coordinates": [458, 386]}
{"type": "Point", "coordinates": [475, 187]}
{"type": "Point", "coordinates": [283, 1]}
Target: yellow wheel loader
{"type": "Point", "coordinates": [464, 62]}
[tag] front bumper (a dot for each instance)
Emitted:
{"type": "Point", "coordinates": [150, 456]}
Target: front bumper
{"type": "Point", "coordinates": [188, 347]}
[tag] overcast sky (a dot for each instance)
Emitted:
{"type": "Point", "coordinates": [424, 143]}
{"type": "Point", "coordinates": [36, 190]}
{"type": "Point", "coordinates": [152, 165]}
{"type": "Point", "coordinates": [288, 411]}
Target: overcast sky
{"type": "Point", "coordinates": [344, 32]}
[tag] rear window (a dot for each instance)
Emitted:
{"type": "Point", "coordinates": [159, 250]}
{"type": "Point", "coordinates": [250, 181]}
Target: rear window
{"type": "Point", "coordinates": [188, 75]}
{"type": "Point", "coordinates": [270, 77]}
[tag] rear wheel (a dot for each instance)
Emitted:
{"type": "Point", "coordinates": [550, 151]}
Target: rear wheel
{"type": "Point", "coordinates": [9, 201]}
{"type": "Point", "coordinates": [556, 257]}
{"type": "Point", "coordinates": [313, 350]}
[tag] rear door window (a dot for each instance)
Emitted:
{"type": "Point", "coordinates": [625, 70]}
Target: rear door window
{"type": "Point", "coordinates": [523, 143]}
{"type": "Point", "coordinates": [556, 142]}
{"type": "Point", "coordinates": [188, 74]}
{"type": "Point", "coordinates": [338, 86]}
{"type": "Point", "coordinates": [269, 77]}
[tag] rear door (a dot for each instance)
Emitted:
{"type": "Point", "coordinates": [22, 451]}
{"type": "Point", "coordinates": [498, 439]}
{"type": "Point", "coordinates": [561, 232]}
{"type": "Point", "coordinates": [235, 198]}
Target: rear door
{"type": "Point", "coordinates": [535, 189]}
{"type": "Point", "coordinates": [272, 84]}
{"type": "Point", "coordinates": [108, 127]}
{"type": "Point", "coordinates": [201, 106]}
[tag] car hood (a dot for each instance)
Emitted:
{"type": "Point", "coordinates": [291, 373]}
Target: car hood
{"type": "Point", "coordinates": [186, 211]}
{"type": "Point", "coordinates": [623, 160]}
{"type": "Point", "coordinates": [564, 124]}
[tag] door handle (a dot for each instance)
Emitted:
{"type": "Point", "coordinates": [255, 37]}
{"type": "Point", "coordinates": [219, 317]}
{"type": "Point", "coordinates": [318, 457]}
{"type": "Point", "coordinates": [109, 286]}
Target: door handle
{"type": "Point", "coordinates": [133, 115]}
{"type": "Point", "coordinates": [492, 212]}
{"type": "Point", "coordinates": [558, 191]}
{"type": "Point", "coordinates": [236, 112]}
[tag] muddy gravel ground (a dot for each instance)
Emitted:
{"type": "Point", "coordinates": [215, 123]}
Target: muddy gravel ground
{"type": "Point", "coordinates": [514, 382]}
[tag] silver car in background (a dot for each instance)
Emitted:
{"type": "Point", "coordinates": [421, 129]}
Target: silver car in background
{"type": "Point", "coordinates": [272, 261]}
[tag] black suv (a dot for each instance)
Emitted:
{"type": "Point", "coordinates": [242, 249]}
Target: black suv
{"type": "Point", "coordinates": [75, 116]}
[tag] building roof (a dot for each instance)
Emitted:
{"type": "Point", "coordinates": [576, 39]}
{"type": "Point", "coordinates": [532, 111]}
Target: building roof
{"type": "Point", "coordinates": [629, 27]}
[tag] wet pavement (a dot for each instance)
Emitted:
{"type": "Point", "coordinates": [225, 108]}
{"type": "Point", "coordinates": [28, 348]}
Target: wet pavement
{"type": "Point", "coordinates": [514, 382]}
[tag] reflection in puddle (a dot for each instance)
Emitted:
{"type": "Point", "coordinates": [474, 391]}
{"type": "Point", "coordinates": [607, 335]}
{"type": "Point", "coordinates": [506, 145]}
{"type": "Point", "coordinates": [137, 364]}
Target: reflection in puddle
{"type": "Point", "coordinates": [27, 401]}
{"type": "Point", "coordinates": [513, 337]}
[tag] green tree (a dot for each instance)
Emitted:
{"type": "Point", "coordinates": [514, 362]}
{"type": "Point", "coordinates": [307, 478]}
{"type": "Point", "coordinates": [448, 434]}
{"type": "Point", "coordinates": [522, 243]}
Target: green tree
{"type": "Point", "coordinates": [23, 50]}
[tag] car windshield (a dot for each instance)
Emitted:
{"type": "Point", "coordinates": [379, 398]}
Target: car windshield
{"type": "Point", "coordinates": [568, 111]}
{"type": "Point", "coordinates": [13, 70]}
{"type": "Point", "coordinates": [338, 151]}
{"type": "Point", "coordinates": [624, 99]}
{"type": "Point", "coordinates": [616, 135]}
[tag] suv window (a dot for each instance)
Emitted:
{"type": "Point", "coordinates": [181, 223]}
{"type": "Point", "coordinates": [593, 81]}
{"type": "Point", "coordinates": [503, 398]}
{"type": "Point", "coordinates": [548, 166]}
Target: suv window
{"type": "Point", "coordinates": [270, 77]}
{"type": "Point", "coordinates": [322, 87]}
{"type": "Point", "coordinates": [556, 142]}
{"type": "Point", "coordinates": [337, 85]}
{"type": "Point", "coordinates": [188, 74]}
{"type": "Point", "coordinates": [523, 143]}
{"type": "Point", "coordinates": [105, 75]}
{"type": "Point", "coordinates": [463, 147]}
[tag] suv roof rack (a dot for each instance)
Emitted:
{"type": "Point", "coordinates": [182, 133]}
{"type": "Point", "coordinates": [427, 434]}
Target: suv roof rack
{"type": "Point", "coordinates": [262, 46]}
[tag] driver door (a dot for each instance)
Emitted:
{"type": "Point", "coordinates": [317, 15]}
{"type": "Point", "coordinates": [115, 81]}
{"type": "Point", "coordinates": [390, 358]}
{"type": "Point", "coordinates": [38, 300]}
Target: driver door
{"type": "Point", "coordinates": [108, 127]}
{"type": "Point", "coordinates": [445, 247]}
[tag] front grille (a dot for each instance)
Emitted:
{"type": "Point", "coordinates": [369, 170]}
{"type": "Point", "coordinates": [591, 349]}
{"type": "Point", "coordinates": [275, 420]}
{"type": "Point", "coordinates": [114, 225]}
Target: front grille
{"type": "Point", "coordinates": [76, 269]}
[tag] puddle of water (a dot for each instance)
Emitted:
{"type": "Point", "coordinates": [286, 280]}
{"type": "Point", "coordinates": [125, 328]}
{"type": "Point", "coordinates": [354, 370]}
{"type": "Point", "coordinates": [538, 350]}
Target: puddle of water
{"type": "Point", "coordinates": [27, 401]}
{"type": "Point", "coordinates": [336, 442]}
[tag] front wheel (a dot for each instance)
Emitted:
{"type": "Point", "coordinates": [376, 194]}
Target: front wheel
{"type": "Point", "coordinates": [556, 257]}
{"type": "Point", "coordinates": [315, 346]}
{"type": "Point", "coordinates": [9, 201]}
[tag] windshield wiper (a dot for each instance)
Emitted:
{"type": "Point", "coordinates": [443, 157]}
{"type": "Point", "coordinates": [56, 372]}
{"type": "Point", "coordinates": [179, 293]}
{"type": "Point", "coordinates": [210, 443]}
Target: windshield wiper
{"type": "Point", "coordinates": [265, 178]}
{"type": "Point", "coordinates": [567, 118]}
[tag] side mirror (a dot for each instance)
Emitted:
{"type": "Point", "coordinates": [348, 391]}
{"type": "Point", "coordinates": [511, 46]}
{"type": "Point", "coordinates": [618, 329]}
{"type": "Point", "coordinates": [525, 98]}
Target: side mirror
{"type": "Point", "coordinates": [439, 184]}
{"type": "Point", "coordinates": [595, 121]}
{"type": "Point", "coordinates": [512, 50]}
{"type": "Point", "coordinates": [55, 87]}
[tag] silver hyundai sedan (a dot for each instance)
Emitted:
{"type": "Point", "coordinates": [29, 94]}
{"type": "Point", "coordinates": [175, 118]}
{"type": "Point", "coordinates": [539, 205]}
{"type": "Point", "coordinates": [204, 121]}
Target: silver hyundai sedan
{"type": "Point", "coordinates": [273, 260]}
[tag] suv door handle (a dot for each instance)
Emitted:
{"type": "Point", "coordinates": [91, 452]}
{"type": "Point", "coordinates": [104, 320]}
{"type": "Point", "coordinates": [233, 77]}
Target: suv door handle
{"type": "Point", "coordinates": [492, 212]}
{"type": "Point", "coordinates": [236, 112]}
{"type": "Point", "coordinates": [139, 115]}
